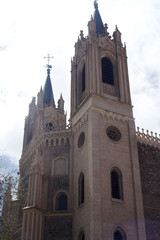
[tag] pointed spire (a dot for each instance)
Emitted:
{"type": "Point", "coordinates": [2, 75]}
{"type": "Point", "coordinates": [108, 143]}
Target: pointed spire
{"type": "Point", "coordinates": [48, 93]}
{"type": "Point", "coordinates": [97, 18]}
{"type": "Point", "coordinates": [116, 29]}
{"type": "Point", "coordinates": [61, 104]}
{"type": "Point", "coordinates": [61, 97]}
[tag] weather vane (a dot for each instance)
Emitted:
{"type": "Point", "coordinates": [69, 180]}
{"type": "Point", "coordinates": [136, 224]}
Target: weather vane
{"type": "Point", "coordinates": [49, 59]}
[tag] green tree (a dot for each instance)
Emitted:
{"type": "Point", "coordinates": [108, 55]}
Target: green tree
{"type": "Point", "coordinates": [9, 204]}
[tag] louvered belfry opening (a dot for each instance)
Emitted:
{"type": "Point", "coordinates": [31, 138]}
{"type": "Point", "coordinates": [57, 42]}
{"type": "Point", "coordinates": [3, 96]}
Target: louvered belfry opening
{"type": "Point", "coordinates": [83, 79]}
{"type": "Point", "coordinates": [116, 184]}
{"type": "Point", "coordinates": [107, 71]}
{"type": "Point", "coordinates": [118, 235]}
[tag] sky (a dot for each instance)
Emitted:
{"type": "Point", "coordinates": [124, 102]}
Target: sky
{"type": "Point", "coordinates": [33, 29]}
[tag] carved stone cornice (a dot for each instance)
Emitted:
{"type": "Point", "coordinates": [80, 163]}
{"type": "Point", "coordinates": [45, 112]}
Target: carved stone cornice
{"type": "Point", "coordinates": [39, 142]}
{"type": "Point", "coordinates": [115, 116]}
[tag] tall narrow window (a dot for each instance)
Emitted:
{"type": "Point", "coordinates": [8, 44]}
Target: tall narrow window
{"type": "Point", "coordinates": [116, 184]}
{"type": "Point", "coordinates": [81, 189]}
{"type": "Point", "coordinates": [81, 236]}
{"type": "Point", "coordinates": [81, 82]}
{"type": "Point", "coordinates": [83, 79]}
{"type": "Point", "coordinates": [107, 71]}
{"type": "Point", "coordinates": [119, 235]}
{"type": "Point", "coordinates": [62, 202]}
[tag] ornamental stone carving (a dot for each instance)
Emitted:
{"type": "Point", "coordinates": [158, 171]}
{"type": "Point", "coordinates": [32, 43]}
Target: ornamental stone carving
{"type": "Point", "coordinates": [108, 88]}
{"type": "Point", "coordinates": [82, 121]}
{"type": "Point", "coordinates": [107, 45]}
{"type": "Point", "coordinates": [58, 227]}
{"type": "Point", "coordinates": [115, 116]}
{"type": "Point", "coordinates": [60, 183]}
{"type": "Point", "coordinates": [148, 138]}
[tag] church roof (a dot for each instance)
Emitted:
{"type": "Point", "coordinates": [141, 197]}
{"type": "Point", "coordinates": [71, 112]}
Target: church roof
{"type": "Point", "coordinates": [48, 98]}
{"type": "Point", "coordinates": [97, 18]}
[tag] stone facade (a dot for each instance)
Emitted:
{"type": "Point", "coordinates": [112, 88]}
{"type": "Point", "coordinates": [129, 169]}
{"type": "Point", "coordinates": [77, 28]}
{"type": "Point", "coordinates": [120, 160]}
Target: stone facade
{"type": "Point", "coordinates": [89, 180]}
{"type": "Point", "coordinates": [149, 157]}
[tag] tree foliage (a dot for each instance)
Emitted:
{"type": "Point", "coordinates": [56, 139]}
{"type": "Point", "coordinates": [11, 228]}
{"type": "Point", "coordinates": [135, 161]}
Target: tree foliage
{"type": "Point", "coordinates": [9, 207]}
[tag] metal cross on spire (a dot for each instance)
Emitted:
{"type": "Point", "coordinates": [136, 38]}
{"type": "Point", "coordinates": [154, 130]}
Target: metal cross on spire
{"type": "Point", "coordinates": [49, 59]}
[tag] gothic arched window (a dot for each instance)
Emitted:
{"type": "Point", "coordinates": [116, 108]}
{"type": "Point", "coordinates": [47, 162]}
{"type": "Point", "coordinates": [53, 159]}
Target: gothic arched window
{"type": "Point", "coordinates": [116, 184]}
{"type": "Point", "coordinates": [61, 202]}
{"type": "Point", "coordinates": [81, 189]}
{"type": "Point", "coordinates": [81, 236]}
{"type": "Point", "coordinates": [107, 71]}
{"type": "Point", "coordinates": [81, 82]}
{"type": "Point", "coordinates": [83, 79]}
{"type": "Point", "coordinates": [119, 234]}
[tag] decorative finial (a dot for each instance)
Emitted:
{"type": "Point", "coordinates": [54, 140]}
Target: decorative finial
{"type": "Point", "coordinates": [81, 35]}
{"type": "Point", "coordinates": [106, 28]}
{"type": "Point", "coordinates": [96, 4]}
{"type": "Point", "coordinates": [116, 28]}
{"type": "Point", "coordinates": [49, 58]}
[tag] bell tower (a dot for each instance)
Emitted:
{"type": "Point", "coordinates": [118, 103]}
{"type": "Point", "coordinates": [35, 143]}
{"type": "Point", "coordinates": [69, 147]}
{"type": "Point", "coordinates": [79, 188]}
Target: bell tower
{"type": "Point", "coordinates": [99, 66]}
{"type": "Point", "coordinates": [45, 168]}
{"type": "Point", "coordinates": [107, 194]}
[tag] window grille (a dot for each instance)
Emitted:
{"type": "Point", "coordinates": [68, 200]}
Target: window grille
{"type": "Point", "coordinates": [107, 71]}
{"type": "Point", "coordinates": [116, 184]}
{"type": "Point", "coordinates": [83, 79]}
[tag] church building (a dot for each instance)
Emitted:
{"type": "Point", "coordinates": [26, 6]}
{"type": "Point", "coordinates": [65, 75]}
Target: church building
{"type": "Point", "coordinates": [96, 178]}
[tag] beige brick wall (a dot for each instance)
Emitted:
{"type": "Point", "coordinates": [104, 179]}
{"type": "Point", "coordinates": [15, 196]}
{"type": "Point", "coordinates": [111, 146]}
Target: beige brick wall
{"type": "Point", "coordinates": [100, 214]}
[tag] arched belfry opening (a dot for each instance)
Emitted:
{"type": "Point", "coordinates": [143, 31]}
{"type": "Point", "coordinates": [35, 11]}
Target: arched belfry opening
{"type": "Point", "coordinates": [107, 71]}
{"type": "Point", "coordinates": [109, 76]}
{"type": "Point", "coordinates": [116, 184]}
{"type": "Point", "coordinates": [81, 83]}
{"type": "Point", "coordinates": [83, 79]}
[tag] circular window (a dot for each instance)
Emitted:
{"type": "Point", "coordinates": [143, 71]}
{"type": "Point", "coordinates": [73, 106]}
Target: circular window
{"type": "Point", "coordinates": [49, 126]}
{"type": "Point", "coordinates": [81, 139]}
{"type": "Point", "coordinates": [113, 133]}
